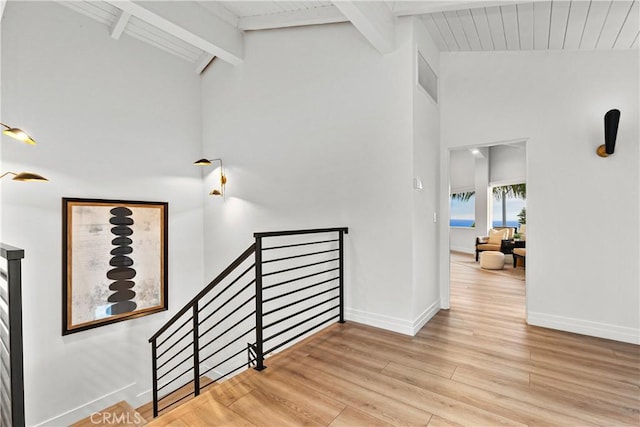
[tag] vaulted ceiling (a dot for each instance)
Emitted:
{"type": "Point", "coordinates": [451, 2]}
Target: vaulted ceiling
{"type": "Point", "coordinates": [198, 31]}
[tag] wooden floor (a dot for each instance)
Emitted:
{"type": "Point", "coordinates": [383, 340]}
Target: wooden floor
{"type": "Point", "coordinates": [477, 364]}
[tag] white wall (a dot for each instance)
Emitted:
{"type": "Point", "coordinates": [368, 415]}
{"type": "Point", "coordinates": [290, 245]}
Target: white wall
{"type": "Point", "coordinates": [581, 277]}
{"type": "Point", "coordinates": [426, 165]}
{"type": "Point", "coordinates": [462, 171]}
{"type": "Point", "coordinates": [114, 120]}
{"type": "Point", "coordinates": [316, 130]}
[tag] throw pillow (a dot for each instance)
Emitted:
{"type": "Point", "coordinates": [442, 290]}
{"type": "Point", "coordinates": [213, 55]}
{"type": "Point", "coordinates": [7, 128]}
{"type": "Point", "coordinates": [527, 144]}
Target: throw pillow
{"type": "Point", "coordinates": [496, 236]}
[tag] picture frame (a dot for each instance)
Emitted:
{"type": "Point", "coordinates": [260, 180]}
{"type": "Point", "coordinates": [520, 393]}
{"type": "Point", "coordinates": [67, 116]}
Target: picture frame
{"type": "Point", "coordinates": [114, 261]}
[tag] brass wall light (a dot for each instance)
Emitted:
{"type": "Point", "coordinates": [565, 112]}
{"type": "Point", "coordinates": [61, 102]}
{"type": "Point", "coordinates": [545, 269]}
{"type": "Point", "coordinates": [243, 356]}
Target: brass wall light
{"type": "Point", "coordinates": [18, 134]}
{"type": "Point", "coordinates": [223, 178]}
{"type": "Point", "coordinates": [25, 176]}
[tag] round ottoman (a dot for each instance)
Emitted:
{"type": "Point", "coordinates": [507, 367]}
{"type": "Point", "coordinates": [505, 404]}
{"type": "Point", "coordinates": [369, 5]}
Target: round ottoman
{"type": "Point", "coordinates": [492, 260]}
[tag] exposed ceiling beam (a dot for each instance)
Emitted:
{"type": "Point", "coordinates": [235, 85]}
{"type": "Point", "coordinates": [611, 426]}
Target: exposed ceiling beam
{"type": "Point", "coordinates": [205, 31]}
{"type": "Point", "coordinates": [118, 25]}
{"type": "Point", "coordinates": [374, 20]}
{"type": "Point", "coordinates": [295, 18]}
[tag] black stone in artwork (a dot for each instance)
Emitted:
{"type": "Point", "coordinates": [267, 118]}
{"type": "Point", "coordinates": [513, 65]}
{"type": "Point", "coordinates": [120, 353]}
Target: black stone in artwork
{"type": "Point", "coordinates": [122, 273]}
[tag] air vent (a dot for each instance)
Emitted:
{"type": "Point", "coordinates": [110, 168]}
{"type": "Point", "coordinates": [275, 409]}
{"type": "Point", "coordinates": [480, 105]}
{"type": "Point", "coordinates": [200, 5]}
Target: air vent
{"type": "Point", "coordinates": [427, 79]}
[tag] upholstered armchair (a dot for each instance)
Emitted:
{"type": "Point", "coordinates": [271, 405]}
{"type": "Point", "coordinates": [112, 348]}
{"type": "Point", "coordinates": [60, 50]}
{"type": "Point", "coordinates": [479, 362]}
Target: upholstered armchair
{"type": "Point", "coordinates": [493, 242]}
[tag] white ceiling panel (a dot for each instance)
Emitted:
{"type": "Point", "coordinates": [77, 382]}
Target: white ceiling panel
{"type": "Point", "coordinates": [617, 16]}
{"type": "Point", "coordinates": [578, 11]}
{"type": "Point", "coordinates": [496, 26]}
{"type": "Point", "coordinates": [595, 22]}
{"type": "Point", "coordinates": [470, 29]}
{"type": "Point", "coordinates": [525, 25]}
{"type": "Point", "coordinates": [510, 25]}
{"type": "Point", "coordinates": [629, 30]}
{"type": "Point", "coordinates": [455, 25]}
{"type": "Point", "coordinates": [458, 32]}
{"type": "Point", "coordinates": [445, 31]}
{"type": "Point", "coordinates": [482, 25]}
{"type": "Point", "coordinates": [558, 27]}
{"type": "Point", "coordinates": [541, 22]}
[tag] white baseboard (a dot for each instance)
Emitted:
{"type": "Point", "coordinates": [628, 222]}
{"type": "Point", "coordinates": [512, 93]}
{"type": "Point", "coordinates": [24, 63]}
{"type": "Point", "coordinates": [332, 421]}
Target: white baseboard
{"type": "Point", "coordinates": [426, 315]}
{"type": "Point", "coordinates": [585, 327]}
{"type": "Point", "coordinates": [76, 414]}
{"type": "Point", "coordinates": [390, 323]}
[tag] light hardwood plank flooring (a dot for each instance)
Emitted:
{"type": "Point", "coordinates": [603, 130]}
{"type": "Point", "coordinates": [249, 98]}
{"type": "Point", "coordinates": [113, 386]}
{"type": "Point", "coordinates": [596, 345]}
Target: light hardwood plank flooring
{"type": "Point", "coordinates": [477, 364]}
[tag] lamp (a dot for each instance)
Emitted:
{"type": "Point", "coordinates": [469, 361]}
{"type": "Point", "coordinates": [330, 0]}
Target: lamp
{"type": "Point", "coordinates": [223, 178]}
{"type": "Point", "coordinates": [25, 176]}
{"type": "Point", "coordinates": [611, 120]}
{"type": "Point", "coordinates": [18, 134]}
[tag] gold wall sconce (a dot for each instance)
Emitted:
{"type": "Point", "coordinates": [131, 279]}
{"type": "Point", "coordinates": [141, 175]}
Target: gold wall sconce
{"type": "Point", "coordinates": [25, 176]}
{"type": "Point", "coordinates": [18, 134]}
{"type": "Point", "coordinates": [223, 178]}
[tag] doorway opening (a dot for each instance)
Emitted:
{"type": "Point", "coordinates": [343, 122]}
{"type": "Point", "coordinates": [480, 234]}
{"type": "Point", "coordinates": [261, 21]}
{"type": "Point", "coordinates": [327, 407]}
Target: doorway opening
{"type": "Point", "coordinates": [486, 197]}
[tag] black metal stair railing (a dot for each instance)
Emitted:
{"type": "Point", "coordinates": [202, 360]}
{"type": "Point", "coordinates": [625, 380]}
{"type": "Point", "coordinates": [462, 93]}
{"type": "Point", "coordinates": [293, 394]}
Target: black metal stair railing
{"type": "Point", "coordinates": [11, 363]}
{"type": "Point", "coordinates": [285, 285]}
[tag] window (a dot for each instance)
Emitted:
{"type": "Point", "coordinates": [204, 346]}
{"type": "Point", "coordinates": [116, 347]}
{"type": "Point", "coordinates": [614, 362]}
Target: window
{"type": "Point", "coordinates": [463, 210]}
{"type": "Point", "coordinates": [509, 200]}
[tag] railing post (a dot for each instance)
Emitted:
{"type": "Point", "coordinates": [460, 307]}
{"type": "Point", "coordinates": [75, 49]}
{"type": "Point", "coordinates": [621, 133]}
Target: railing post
{"type": "Point", "coordinates": [259, 344]}
{"type": "Point", "coordinates": [14, 286]}
{"type": "Point", "coordinates": [196, 351]}
{"type": "Point", "coordinates": [154, 374]}
{"type": "Point", "coordinates": [341, 280]}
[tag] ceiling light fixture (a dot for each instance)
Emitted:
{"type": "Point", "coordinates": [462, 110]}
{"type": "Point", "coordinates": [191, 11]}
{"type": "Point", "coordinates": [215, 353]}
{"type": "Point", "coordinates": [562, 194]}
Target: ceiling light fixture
{"type": "Point", "coordinates": [25, 176]}
{"type": "Point", "coordinates": [223, 178]}
{"type": "Point", "coordinates": [18, 134]}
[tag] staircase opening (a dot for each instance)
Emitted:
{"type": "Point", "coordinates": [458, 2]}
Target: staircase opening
{"type": "Point", "coordinates": [284, 286]}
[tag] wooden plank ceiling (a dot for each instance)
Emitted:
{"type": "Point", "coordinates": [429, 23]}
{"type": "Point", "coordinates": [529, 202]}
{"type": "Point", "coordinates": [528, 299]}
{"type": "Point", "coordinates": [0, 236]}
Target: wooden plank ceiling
{"type": "Point", "coordinates": [198, 31]}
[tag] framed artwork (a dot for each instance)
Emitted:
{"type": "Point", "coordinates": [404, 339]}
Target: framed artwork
{"type": "Point", "coordinates": [114, 261]}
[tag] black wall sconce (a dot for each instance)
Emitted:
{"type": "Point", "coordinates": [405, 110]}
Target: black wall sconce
{"type": "Point", "coordinates": [223, 178]}
{"type": "Point", "coordinates": [611, 120]}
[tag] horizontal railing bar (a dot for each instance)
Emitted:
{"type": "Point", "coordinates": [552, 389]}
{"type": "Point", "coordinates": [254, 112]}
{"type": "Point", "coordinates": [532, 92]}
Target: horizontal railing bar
{"type": "Point", "coordinates": [302, 322]}
{"type": "Point", "coordinates": [295, 291]}
{"type": "Point", "coordinates": [225, 346]}
{"type": "Point", "coordinates": [225, 360]}
{"type": "Point", "coordinates": [181, 374]}
{"type": "Point", "coordinates": [227, 302]}
{"type": "Point", "coordinates": [233, 326]}
{"type": "Point", "coordinates": [246, 254]}
{"type": "Point", "coordinates": [300, 312]}
{"type": "Point", "coordinates": [227, 287]}
{"type": "Point", "coordinates": [299, 267]}
{"type": "Point", "coordinates": [282, 307]}
{"type": "Point", "coordinates": [4, 274]}
{"type": "Point", "coordinates": [177, 401]}
{"type": "Point", "coordinates": [226, 317]}
{"type": "Point", "coordinates": [299, 244]}
{"type": "Point", "coordinates": [299, 256]}
{"type": "Point", "coordinates": [177, 353]}
{"type": "Point", "coordinates": [337, 316]}
{"type": "Point", "coordinates": [300, 278]}
{"type": "Point", "coordinates": [296, 232]}
{"type": "Point", "coordinates": [170, 370]}
{"type": "Point", "coordinates": [174, 332]}
{"type": "Point", "coordinates": [174, 344]}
